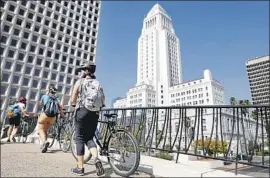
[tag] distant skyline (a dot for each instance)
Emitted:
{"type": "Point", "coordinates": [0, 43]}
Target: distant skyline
{"type": "Point", "coordinates": [220, 36]}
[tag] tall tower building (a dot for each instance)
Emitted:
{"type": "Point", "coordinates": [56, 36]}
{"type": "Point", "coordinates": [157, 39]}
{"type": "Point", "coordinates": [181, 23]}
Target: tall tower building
{"type": "Point", "coordinates": [159, 71]}
{"type": "Point", "coordinates": [258, 71]}
{"type": "Point", "coordinates": [159, 60]}
{"type": "Point", "coordinates": [41, 44]}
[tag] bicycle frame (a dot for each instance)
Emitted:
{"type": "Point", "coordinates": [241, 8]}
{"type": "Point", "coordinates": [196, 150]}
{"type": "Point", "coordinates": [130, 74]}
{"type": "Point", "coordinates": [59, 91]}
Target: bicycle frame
{"type": "Point", "coordinates": [110, 128]}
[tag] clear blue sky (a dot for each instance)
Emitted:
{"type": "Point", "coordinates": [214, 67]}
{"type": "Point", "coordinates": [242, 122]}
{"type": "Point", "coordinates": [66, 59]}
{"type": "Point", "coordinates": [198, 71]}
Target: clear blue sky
{"type": "Point", "coordinates": [219, 36]}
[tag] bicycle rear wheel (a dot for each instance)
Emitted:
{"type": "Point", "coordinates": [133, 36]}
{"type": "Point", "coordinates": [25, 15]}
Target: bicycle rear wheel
{"type": "Point", "coordinates": [129, 165]}
{"type": "Point", "coordinates": [23, 133]}
{"type": "Point", "coordinates": [87, 154]}
{"type": "Point", "coordinates": [52, 133]}
{"type": "Point", "coordinates": [65, 139]}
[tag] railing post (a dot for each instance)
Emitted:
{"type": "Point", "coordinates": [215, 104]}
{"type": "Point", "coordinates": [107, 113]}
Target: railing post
{"type": "Point", "coordinates": [237, 146]}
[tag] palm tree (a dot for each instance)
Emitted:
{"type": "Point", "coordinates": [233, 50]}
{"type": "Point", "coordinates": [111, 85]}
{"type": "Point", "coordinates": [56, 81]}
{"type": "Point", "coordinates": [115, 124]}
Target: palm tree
{"type": "Point", "coordinates": [233, 101]}
{"type": "Point", "coordinates": [245, 103]}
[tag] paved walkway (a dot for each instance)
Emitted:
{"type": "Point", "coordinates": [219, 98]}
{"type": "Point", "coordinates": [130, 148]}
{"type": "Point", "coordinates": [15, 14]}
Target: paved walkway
{"type": "Point", "coordinates": [25, 160]}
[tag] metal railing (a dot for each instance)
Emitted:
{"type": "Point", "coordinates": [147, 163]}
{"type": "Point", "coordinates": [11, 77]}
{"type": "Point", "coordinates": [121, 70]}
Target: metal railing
{"type": "Point", "coordinates": [238, 134]}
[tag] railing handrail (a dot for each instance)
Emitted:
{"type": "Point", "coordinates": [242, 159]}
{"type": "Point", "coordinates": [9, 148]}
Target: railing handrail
{"type": "Point", "coordinates": [192, 107]}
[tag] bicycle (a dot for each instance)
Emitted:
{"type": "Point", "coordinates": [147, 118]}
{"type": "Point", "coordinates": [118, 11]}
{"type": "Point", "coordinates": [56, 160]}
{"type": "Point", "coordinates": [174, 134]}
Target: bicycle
{"type": "Point", "coordinates": [58, 131]}
{"type": "Point", "coordinates": [106, 149]}
{"type": "Point", "coordinates": [23, 131]}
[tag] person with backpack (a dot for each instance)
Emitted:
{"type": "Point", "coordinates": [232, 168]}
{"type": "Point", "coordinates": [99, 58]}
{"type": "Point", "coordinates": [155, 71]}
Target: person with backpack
{"type": "Point", "coordinates": [89, 93]}
{"type": "Point", "coordinates": [15, 111]}
{"type": "Point", "coordinates": [51, 108]}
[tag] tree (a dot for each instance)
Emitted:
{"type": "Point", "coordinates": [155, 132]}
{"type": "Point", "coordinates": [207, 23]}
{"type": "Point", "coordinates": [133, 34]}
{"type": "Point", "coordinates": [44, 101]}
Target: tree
{"type": "Point", "coordinates": [233, 101]}
{"type": "Point", "coordinates": [245, 110]}
{"type": "Point", "coordinates": [254, 115]}
{"type": "Point", "coordinates": [209, 146]}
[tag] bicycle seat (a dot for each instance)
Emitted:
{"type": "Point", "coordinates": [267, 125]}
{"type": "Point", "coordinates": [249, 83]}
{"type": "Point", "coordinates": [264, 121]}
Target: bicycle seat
{"type": "Point", "coordinates": [110, 115]}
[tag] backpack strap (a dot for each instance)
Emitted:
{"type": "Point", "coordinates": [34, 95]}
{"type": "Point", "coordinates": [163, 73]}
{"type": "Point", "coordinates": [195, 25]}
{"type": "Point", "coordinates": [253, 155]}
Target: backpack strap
{"type": "Point", "coordinates": [81, 93]}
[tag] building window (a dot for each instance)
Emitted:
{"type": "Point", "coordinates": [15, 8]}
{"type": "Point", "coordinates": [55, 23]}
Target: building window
{"type": "Point", "coordinates": [43, 85]}
{"type": "Point", "coordinates": [56, 56]}
{"type": "Point", "coordinates": [68, 80]}
{"type": "Point", "coordinates": [45, 74]}
{"type": "Point", "coordinates": [41, 51]}
{"type": "Point", "coordinates": [55, 66]}
{"type": "Point", "coordinates": [23, 45]}
{"type": "Point", "coordinates": [53, 76]}
{"type": "Point", "coordinates": [33, 48]}
{"type": "Point", "coordinates": [37, 72]}
{"type": "Point", "coordinates": [30, 16]}
{"type": "Point", "coordinates": [18, 68]}
{"type": "Point", "coordinates": [30, 59]}
{"type": "Point", "coordinates": [39, 19]}
{"type": "Point", "coordinates": [16, 79]}
{"type": "Point", "coordinates": [32, 6]}
{"type": "Point", "coordinates": [204, 121]}
{"type": "Point", "coordinates": [13, 91]}
{"type": "Point", "coordinates": [11, 53]}
{"type": "Point", "coordinates": [34, 38]}
{"type": "Point", "coordinates": [63, 68]}
{"type": "Point", "coordinates": [67, 90]}
{"type": "Point", "coordinates": [24, 92]}
{"type": "Point", "coordinates": [70, 70]}
{"type": "Point", "coordinates": [30, 107]}
{"type": "Point", "coordinates": [33, 95]}
{"type": "Point", "coordinates": [26, 35]}
{"type": "Point", "coordinates": [5, 77]}
{"type": "Point", "coordinates": [8, 65]}
{"type": "Point", "coordinates": [3, 90]}
{"type": "Point", "coordinates": [39, 61]}
{"type": "Point", "coordinates": [28, 70]}
{"type": "Point", "coordinates": [35, 83]}
{"type": "Point", "coordinates": [19, 22]}
{"type": "Point", "coordinates": [204, 128]}
{"type": "Point", "coordinates": [60, 88]}
{"type": "Point", "coordinates": [9, 18]}
{"type": "Point", "coordinates": [43, 41]}
{"type": "Point", "coordinates": [14, 42]}
{"type": "Point", "coordinates": [6, 28]}
{"type": "Point", "coordinates": [21, 12]}
{"type": "Point", "coordinates": [47, 64]}
{"type": "Point", "coordinates": [16, 32]}
{"type": "Point", "coordinates": [25, 81]}
{"type": "Point", "coordinates": [3, 39]}
{"type": "Point", "coordinates": [61, 78]}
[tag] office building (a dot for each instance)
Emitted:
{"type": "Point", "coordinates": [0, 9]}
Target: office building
{"type": "Point", "coordinates": [258, 71]}
{"type": "Point", "coordinates": [41, 44]}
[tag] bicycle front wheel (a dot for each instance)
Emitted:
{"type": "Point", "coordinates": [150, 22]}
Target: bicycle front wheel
{"type": "Point", "coordinates": [65, 139]}
{"type": "Point", "coordinates": [87, 154]}
{"type": "Point", "coordinates": [124, 153]}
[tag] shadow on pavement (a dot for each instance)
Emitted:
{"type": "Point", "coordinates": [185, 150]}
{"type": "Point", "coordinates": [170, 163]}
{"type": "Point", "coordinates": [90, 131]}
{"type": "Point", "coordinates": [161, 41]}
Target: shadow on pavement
{"type": "Point", "coordinates": [108, 172]}
{"type": "Point", "coordinates": [247, 170]}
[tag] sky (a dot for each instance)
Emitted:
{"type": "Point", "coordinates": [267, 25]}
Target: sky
{"type": "Point", "coordinates": [220, 36]}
